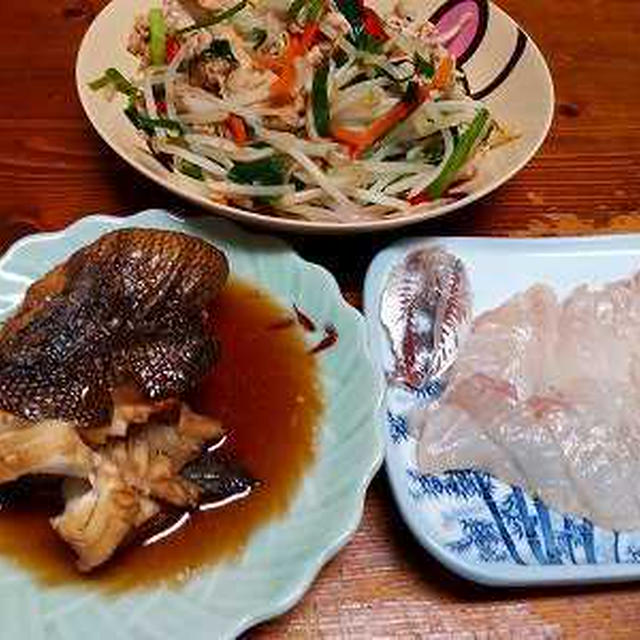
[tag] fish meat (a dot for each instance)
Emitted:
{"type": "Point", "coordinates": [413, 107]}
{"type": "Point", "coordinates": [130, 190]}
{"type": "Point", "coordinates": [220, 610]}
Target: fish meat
{"type": "Point", "coordinates": [515, 342]}
{"type": "Point", "coordinates": [545, 394]}
{"type": "Point", "coordinates": [425, 310]}
{"type": "Point", "coordinates": [130, 306]}
{"type": "Point", "coordinates": [129, 481]}
{"type": "Point", "coordinates": [94, 367]}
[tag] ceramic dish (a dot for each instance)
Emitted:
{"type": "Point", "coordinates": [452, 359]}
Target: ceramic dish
{"type": "Point", "coordinates": [477, 526]}
{"type": "Point", "coordinates": [503, 65]}
{"type": "Point", "coordinates": [283, 557]}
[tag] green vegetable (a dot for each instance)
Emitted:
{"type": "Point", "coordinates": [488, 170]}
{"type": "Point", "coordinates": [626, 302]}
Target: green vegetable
{"type": "Point", "coordinates": [295, 8]}
{"type": "Point", "coordinates": [157, 37]}
{"type": "Point", "coordinates": [265, 201]}
{"type": "Point", "coordinates": [112, 77]}
{"type": "Point", "coordinates": [366, 42]}
{"type": "Point", "coordinates": [149, 125]}
{"type": "Point", "coordinates": [190, 169]}
{"type": "Point", "coordinates": [258, 36]}
{"type": "Point", "coordinates": [266, 171]}
{"type": "Point", "coordinates": [360, 38]}
{"type": "Point", "coordinates": [351, 10]}
{"type": "Point", "coordinates": [461, 152]}
{"type": "Point", "coordinates": [216, 17]}
{"type": "Point", "coordinates": [423, 67]}
{"type": "Point", "coordinates": [314, 10]}
{"type": "Point", "coordinates": [320, 100]}
{"type": "Point", "coordinates": [220, 48]}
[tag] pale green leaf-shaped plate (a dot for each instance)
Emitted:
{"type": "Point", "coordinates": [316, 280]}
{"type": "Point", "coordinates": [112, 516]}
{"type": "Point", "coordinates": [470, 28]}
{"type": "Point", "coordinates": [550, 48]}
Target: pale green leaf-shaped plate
{"type": "Point", "coordinates": [281, 559]}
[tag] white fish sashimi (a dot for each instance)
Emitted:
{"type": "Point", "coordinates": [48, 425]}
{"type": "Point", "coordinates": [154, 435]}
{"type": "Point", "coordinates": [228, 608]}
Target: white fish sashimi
{"type": "Point", "coordinates": [455, 433]}
{"type": "Point", "coordinates": [545, 396]}
{"type": "Point", "coordinates": [514, 342]}
{"type": "Point", "coordinates": [600, 332]}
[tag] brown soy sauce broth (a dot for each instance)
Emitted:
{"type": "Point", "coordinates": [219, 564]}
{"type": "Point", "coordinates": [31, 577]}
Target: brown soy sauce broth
{"type": "Point", "coordinates": [266, 392]}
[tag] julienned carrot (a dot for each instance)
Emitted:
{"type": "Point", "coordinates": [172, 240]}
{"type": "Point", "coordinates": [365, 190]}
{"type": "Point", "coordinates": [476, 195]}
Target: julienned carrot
{"type": "Point", "coordinates": [360, 141]}
{"type": "Point", "coordinates": [442, 75]}
{"type": "Point", "coordinates": [284, 65]}
{"type": "Point", "coordinates": [282, 88]}
{"type": "Point", "coordinates": [237, 128]}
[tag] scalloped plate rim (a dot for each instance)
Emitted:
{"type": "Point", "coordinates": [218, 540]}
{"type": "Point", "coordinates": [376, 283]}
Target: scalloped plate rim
{"type": "Point", "coordinates": [290, 595]}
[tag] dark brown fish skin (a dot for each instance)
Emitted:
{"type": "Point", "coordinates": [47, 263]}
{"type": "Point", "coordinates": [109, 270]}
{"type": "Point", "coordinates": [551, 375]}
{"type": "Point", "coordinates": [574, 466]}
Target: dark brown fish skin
{"type": "Point", "coordinates": [130, 306]}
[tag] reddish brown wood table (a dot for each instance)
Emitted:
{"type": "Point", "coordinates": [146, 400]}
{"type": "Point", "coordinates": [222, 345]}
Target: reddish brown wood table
{"type": "Point", "coordinates": [54, 169]}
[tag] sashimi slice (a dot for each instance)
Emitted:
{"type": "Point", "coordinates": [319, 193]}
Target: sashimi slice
{"type": "Point", "coordinates": [514, 342]}
{"type": "Point", "coordinates": [455, 434]}
{"type": "Point", "coordinates": [547, 397]}
{"type": "Point", "coordinates": [600, 333]}
{"type": "Point", "coordinates": [598, 433]}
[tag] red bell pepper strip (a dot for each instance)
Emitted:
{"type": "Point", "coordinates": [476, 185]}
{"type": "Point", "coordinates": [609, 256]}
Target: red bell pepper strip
{"type": "Point", "coordinates": [373, 24]}
{"type": "Point", "coordinates": [310, 35]}
{"type": "Point", "coordinates": [360, 141]}
{"type": "Point", "coordinates": [237, 128]}
{"type": "Point", "coordinates": [172, 46]}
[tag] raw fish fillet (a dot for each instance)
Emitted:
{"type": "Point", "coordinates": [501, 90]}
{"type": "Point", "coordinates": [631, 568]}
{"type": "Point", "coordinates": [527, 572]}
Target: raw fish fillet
{"type": "Point", "coordinates": [515, 342]}
{"type": "Point", "coordinates": [545, 395]}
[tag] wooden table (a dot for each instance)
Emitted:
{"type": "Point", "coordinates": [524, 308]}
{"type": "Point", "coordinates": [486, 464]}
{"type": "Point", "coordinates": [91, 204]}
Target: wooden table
{"type": "Point", "coordinates": [54, 169]}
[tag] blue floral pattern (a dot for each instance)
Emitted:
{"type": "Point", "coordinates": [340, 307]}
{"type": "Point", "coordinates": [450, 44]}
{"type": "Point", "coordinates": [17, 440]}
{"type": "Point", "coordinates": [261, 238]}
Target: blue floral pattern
{"type": "Point", "coordinates": [484, 520]}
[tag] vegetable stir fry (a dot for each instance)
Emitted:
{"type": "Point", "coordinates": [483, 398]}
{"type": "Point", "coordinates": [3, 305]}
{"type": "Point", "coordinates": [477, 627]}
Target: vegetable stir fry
{"type": "Point", "coordinates": [323, 110]}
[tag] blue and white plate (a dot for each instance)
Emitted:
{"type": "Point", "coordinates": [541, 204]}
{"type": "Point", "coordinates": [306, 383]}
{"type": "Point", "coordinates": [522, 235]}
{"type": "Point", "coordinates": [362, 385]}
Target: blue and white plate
{"type": "Point", "coordinates": [476, 525]}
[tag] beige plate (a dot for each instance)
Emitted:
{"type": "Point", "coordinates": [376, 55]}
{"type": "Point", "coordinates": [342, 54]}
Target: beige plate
{"type": "Point", "coordinates": [524, 100]}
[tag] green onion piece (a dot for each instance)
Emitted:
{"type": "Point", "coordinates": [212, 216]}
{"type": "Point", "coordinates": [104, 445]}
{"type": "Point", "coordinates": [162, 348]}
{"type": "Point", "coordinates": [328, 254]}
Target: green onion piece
{"type": "Point", "coordinates": [99, 83]}
{"type": "Point", "coordinates": [295, 8]}
{"type": "Point", "coordinates": [216, 17]}
{"type": "Point", "coordinates": [320, 100]}
{"type": "Point", "coordinates": [351, 10]}
{"type": "Point", "coordinates": [191, 170]}
{"type": "Point", "coordinates": [149, 125]}
{"type": "Point", "coordinates": [266, 171]}
{"type": "Point", "coordinates": [114, 78]}
{"type": "Point", "coordinates": [258, 36]}
{"type": "Point", "coordinates": [366, 42]}
{"type": "Point", "coordinates": [423, 67]}
{"type": "Point", "coordinates": [157, 37]}
{"type": "Point", "coordinates": [461, 152]}
{"type": "Point", "coordinates": [314, 10]}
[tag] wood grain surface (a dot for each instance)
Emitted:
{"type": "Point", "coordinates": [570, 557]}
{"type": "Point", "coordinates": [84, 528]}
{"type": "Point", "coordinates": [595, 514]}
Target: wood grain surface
{"type": "Point", "coordinates": [586, 179]}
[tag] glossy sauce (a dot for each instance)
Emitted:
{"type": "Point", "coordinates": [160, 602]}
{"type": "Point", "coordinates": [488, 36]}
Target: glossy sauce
{"type": "Point", "coordinates": [266, 392]}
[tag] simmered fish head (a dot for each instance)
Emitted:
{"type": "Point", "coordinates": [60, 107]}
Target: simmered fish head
{"type": "Point", "coordinates": [131, 306]}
